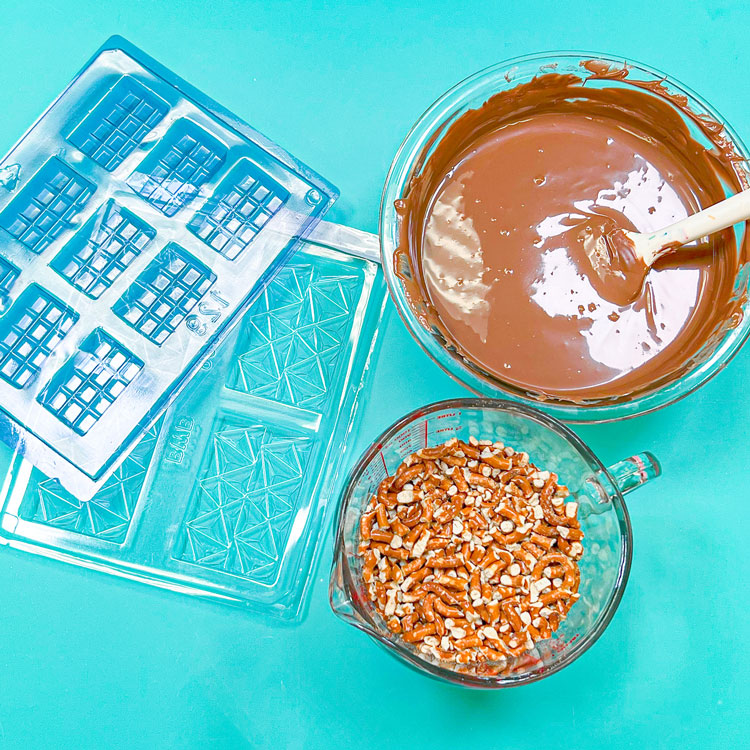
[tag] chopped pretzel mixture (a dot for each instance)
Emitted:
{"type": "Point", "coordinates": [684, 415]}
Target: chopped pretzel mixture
{"type": "Point", "coordinates": [470, 552]}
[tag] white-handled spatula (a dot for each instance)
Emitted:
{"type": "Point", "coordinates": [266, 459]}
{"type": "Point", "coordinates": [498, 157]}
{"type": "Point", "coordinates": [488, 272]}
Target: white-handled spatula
{"type": "Point", "coordinates": [629, 255]}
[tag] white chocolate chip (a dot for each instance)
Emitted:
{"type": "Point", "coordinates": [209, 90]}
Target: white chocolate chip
{"type": "Point", "coordinates": [506, 527]}
{"type": "Point", "coordinates": [571, 509]}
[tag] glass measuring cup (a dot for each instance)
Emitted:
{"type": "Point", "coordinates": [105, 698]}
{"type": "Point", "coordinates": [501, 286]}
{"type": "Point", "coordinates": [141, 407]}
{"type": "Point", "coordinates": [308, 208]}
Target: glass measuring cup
{"type": "Point", "coordinates": [551, 445]}
{"type": "Point", "coordinates": [408, 164]}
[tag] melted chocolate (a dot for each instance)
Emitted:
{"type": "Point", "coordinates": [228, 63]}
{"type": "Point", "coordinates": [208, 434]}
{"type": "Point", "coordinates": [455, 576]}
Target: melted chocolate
{"type": "Point", "coordinates": [495, 224]}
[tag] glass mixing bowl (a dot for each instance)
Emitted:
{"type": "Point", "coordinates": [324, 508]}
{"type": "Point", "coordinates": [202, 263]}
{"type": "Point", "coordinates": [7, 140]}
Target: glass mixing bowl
{"type": "Point", "coordinates": [418, 145]}
{"type": "Point", "coordinates": [551, 445]}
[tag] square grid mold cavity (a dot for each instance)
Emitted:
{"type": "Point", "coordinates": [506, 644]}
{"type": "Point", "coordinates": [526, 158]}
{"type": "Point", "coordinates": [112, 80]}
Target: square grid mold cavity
{"type": "Point", "coordinates": [242, 205]}
{"type": "Point", "coordinates": [118, 124]}
{"type": "Point", "coordinates": [96, 255]}
{"type": "Point", "coordinates": [173, 173]}
{"type": "Point", "coordinates": [33, 328]}
{"type": "Point", "coordinates": [165, 293]}
{"type": "Point", "coordinates": [136, 214]}
{"type": "Point", "coordinates": [90, 381]}
{"type": "Point", "coordinates": [227, 497]}
{"type": "Point", "coordinates": [47, 206]}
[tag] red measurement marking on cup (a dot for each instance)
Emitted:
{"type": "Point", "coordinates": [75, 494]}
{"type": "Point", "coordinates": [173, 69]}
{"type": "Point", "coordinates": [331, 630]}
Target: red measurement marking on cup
{"type": "Point", "coordinates": [425, 433]}
{"type": "Point", "coordinates": [447, 415]}
{"type": "Point", "coordinates": [409, 440]}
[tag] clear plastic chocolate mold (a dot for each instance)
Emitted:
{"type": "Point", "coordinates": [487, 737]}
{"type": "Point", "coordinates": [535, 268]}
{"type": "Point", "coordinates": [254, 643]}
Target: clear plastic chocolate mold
{"type": "Point", "coordinates": [226, 496]}
{"type": "Point", "coordinates": [138, 223]}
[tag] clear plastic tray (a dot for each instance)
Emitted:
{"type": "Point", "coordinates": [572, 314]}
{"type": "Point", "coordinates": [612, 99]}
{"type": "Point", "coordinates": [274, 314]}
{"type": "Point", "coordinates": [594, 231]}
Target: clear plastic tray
{"type": "Point", "coordinates": [138, 221]}
{"type": "Point", "coordinates": [225, 497]}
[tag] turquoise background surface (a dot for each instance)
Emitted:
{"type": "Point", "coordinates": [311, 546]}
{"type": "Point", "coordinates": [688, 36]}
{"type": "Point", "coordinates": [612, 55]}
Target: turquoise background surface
{"type": "Point", "coordinates": [92, 662]}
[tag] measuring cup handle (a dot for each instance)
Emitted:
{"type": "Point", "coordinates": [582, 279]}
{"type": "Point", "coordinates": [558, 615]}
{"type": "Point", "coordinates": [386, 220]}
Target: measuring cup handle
{"type": "Point", "coordinates": [631, 473]}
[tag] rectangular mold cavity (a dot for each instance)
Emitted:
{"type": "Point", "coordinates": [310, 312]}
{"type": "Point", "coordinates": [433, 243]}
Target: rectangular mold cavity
{"type": "Point", "coordinates": [178, 166]}
{"type": "Point", "coordinates": [228, 497]}
{"type": "Point", "coordinates": [96, 201]}
{"type": "Point", "coordinates": [107, 515]}
{"type": "Point", "coordinates": [164, 293]}
{"type": "Point", "coordinates": [290, 345]}
{"type": "Point", "coordinates": [240, 207]}
{"type": "Point", "coordinates": [47, 205]}
{"type": "Point", "coordinates": [31, 330]}
{"type": "Point", "coordinates": [245, 500]}
{"type": "Point", "coordinates": [97, 254]}
{"type": "Point", "coordinates": [119, 123]}
{"type": "Point", "coordinates": [90, 381]}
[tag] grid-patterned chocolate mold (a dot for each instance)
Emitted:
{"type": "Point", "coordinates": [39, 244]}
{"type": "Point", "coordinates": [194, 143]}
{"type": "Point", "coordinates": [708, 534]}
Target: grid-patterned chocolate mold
{"type": "Point", "coordinates": [119, 123]}
{"type": "Point", "coordinates": [140, 211]}
{"type": "Point", "coordinates": [95, 257]}
{"type": "Point", "coordinates": [31, 330]}
{"type": "Point", "coordinates": [47, 206]}
{"type": "Point", "coordinates": [185, 159]}
{"type": "Point", "coordinates": [164, 294]}
{"type": "Point", "coordinates": [241, 206]}
{"type": "Point", "coordinates": [90, 381]}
